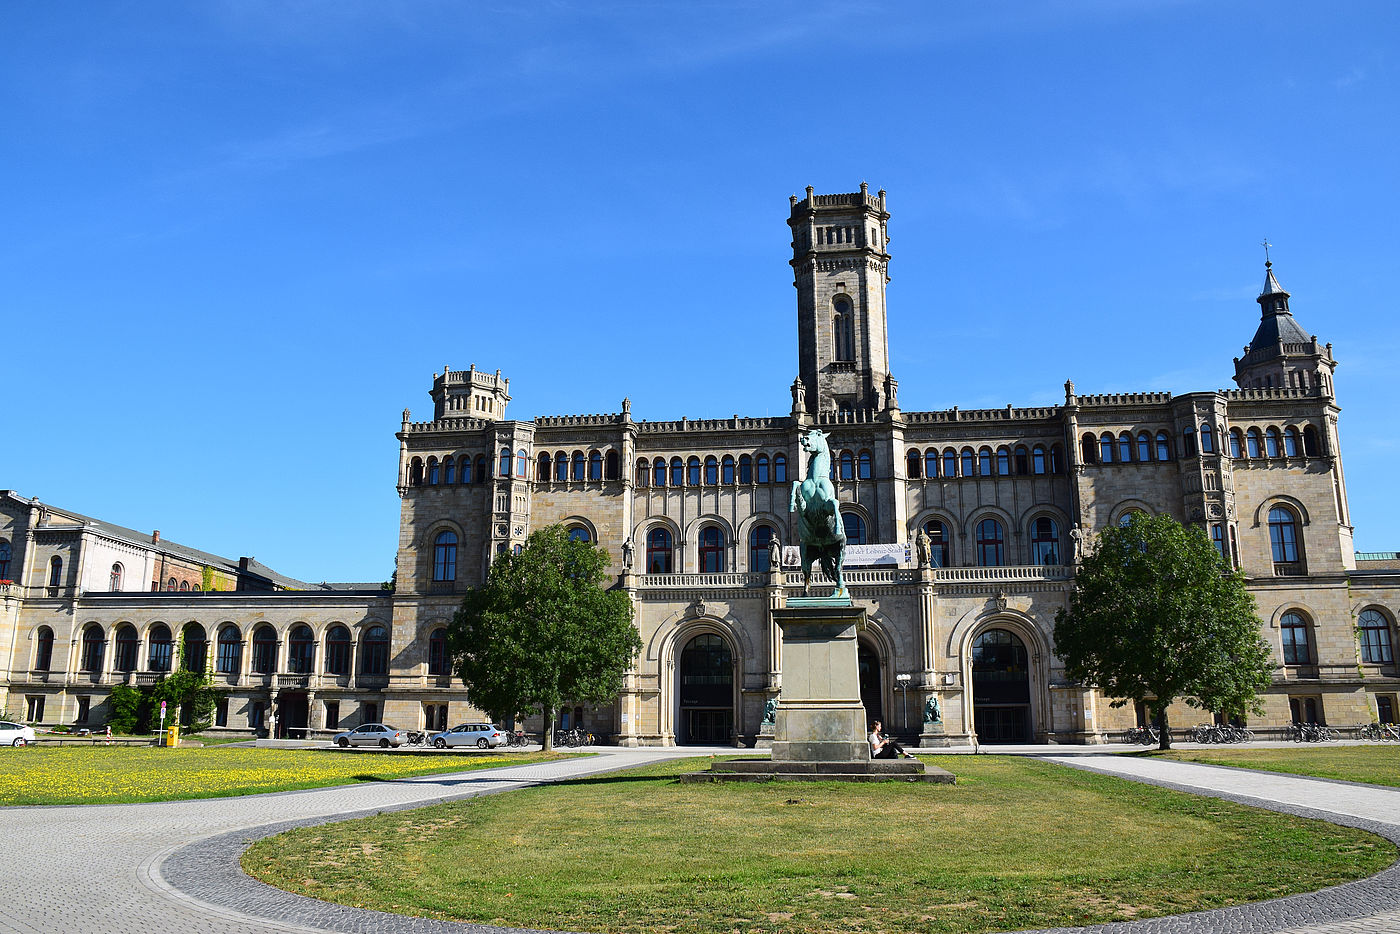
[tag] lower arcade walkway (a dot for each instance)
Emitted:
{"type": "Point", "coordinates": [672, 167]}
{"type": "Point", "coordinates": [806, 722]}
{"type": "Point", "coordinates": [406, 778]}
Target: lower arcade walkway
{"type": "Point", "coordinates": [173, 866]}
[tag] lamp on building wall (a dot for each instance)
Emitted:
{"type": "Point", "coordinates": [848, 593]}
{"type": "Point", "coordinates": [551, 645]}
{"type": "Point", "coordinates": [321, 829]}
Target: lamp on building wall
{"type": "Point", "coordinates": [901, 684]}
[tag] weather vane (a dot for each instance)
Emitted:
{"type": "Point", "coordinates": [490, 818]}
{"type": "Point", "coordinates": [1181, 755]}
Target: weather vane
{"type": "Point", "coordinates": [1266, 244]}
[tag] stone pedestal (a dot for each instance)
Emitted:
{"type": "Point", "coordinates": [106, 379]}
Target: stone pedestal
{"type": "Point", "coordinates": [820, 717]}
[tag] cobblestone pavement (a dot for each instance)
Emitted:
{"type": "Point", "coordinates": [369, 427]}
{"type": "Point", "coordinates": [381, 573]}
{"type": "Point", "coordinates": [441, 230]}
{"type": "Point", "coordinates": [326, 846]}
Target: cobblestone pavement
{"type": "Point", "coordinates": [173, 866]}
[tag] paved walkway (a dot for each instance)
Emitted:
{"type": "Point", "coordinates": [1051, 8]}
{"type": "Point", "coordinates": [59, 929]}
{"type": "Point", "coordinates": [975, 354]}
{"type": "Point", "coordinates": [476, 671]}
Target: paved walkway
{"type": "Point", "coordinates": [173, 866]}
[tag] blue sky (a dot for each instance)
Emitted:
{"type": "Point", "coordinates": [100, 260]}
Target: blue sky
{"type": "Point", "coordinates": [239, 237]}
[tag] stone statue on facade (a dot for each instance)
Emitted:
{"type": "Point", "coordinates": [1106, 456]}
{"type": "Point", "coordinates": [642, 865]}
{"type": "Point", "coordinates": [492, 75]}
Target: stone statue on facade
{"type": "Point", "coordinates": [933, 710]}
{"type": "Point", "coordinates": [770, 710]}
{"type": "Point", "coordinates": [921, 548]}
{"type": "Point", "coordinates": [1076, 538]}
{"type": "Point", "coordinates": [627, 553]}
{"type": "Point", "coordinates": [775, 554]}
{"type": "Point", "coordinates": [821, 535]}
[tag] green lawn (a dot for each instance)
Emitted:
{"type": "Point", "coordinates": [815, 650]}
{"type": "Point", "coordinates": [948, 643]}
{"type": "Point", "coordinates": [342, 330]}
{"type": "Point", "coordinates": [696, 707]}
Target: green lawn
{"type": "Point", "coordinates": [1379, 765]}
{"type": "Point", "coordinates": [114, 774]}
{"type": "Point", "coordinates": [1016, 843]}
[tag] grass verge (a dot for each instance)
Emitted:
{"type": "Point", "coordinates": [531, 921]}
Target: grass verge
{"type": "Point", "coordinates": [1016, 843]}
{"type": "Point", "coordinates": [1378, 765]}
{"type": "Point", "coordinates": [120, 774]}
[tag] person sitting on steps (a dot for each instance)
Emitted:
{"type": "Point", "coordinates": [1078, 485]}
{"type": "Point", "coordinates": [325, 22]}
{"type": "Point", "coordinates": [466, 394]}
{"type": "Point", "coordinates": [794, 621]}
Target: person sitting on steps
{"type": "Point", "coordinates": [881, 747]}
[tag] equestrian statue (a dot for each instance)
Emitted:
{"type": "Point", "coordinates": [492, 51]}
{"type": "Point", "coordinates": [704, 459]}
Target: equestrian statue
{"type": "Point", "coordinates": [821, 535]}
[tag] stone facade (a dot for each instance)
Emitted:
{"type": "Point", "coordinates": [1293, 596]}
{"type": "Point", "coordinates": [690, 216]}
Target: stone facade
{"type": "Point", "coordinates": [982, 513]}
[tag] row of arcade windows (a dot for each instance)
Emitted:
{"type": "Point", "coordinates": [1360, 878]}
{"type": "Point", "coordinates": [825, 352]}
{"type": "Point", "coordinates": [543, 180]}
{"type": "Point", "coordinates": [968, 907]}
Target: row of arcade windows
{"type": "Point", "coordinates": [1274, 443]}
{"type": "Point", "coordinates": [713, 471]}
{"type": "Point", "coordinates": [1124, 449]}
{"type": "Point", "coordinates": [930, 464]}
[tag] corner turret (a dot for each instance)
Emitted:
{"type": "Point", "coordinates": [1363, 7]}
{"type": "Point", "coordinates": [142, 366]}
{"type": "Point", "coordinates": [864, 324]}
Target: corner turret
{"type": "Point", "coordinates": [1282, 354]}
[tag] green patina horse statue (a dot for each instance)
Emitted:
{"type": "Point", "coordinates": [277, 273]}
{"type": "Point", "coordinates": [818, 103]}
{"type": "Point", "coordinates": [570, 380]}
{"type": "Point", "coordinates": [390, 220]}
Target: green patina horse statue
{"type": "Point", "coordinates": [819, 528]}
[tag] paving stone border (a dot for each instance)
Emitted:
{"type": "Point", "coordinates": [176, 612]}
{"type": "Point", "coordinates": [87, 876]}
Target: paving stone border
{"type": "Point", "coordinates": [208, 872]}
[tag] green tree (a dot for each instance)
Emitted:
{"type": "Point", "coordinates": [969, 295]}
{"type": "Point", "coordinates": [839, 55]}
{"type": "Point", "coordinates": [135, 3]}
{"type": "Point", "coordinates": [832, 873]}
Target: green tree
{"type": "Point", "coordinates": [124, 709]}
{"type": "Point", "coordinates": [542, 630]}
{"type": "Point", "coordinates": [1156, 615]}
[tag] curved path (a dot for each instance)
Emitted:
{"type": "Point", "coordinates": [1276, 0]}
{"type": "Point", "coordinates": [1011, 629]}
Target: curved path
{"type": "Point", "coordinates": [173, 866]}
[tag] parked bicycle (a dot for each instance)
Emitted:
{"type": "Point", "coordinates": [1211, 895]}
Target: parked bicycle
{"type": "Point", "coordinates": [573, 738]}
{"type": "Point", "coordinates": [1142, 735]}
{"type": "Point", "coordinates": [1379, 732]}
{"type": "Point", "coordinates": [417, 738]}
{"type": "Point", "coordinates": [1312, 733]}
{"type": "Point", "coordinates": [1219, 733]}
{"type": "Point", "coordinates": [517, 738]}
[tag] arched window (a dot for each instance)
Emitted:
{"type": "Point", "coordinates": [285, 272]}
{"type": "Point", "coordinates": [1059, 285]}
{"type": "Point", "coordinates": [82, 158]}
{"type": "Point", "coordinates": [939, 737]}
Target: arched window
{"type": "Point", "coordinates": [172, 585]}
{"type": "Point", "coordinates": [1271, 442]}
{"type": "Point", "coordinates": [542, 466]}
{"type": "Point", "coordinates": [843, 330]}
{"type": "Point", "coordinates": [1003, 462]}
{"type": "Point", "coordinates": [1254, 443]}
{"type": "Point", "coordinates": [930, 463]}
{"type": "Point", "coordinates": [711, 550]}
{"type": "Point", "coordinates": [1125, 447]}
{"type": "Point", "coordinates": [758, 549]}
{"type": "Point", "coordinates": [449, 470]}
{"type": "Point", "coordinates": [711, 470]}
{"type": "Point", "coordinates": [1312, 447]}
{"type": "Point", "coordinates": [595, 465]}
{"type": "Point", "coordinates": [969, 463]}
{"type": "Point", "coordinates": [437, 653]}
{"type": "Point", "coordinates": [159, 648]}
{"type": "Point", "coordinates": [5, 555]}
{"type": "Point", "coordinates": [692, 471]}
{"type": "Point", "coordinates": [1207, 439]}
{"type": "Point", "coordinates": [578, 465]}
{"type": "Point", "coordinates": [43, 649]}
{"type": "Point", "coordinates": [93, 643]}
{"type": "Point", "coordinates": [1297, 648]}
{"type": "Point", "coordinates": [301, 650]}
{"type": "Point", "coordinates": [848, 466]}
{"type": "Point", "coordinates": [745, 469]}
{"type": "Point", "coordinates": [432, 471]}
{"type": "Point", "coordinates": [610, 466]}
{"type": "Point", "coordinates": [1164, 446]}
{"type": "Point", "coordinates": [522, 463]}
{"type": "Point", "coordinates": [415, 472]}
{"type": "Point", "coordinates": [659, 551]}
{"type": "Point", "coordinates": [855, 528]}
{"type": "Point", "coordinates": [990, 553]}
{"type": "Point", "coordinates": [642, 473]}
{"type": "Point", "coordinates": [337, 650]}
{"type": "Point", "coordinates": [762, 467]}
{"type": "Point", "coordinates": [1056, 461]}
{"type": "Point", "coordinates": [579, 533]}
{"type": "Point", "coordinates": [375, 654]}
{"type": "Point", "coordinates": [561, 466]}
{"type": "Point", "coordinates": [445, 557]}
{"type": "Point", "coordinates": [1236, 443]}
{"type": "Point", "coordinates": [1291, 444]}
{"type": "Point", "coordinates": [677, 472]}
{"type": "Point", "coordinates": [114, 580]}
{"type": "Point", "coordinates": [1188, 442]}
{"type": "Point", "coordinates": [1038, 459]}
{"type": "Point", "coordinates": [464, 469]}
{"type": "Point", "coordinates": [1023, 461]}
{"type": "Point", "coordinates": [1106, 448]}
{"type": "Point", "coordinates": [726, 470]}
{"type": "Point", "coordinates": [1089, 448]}
{"type": "Point", "coordinates": [56, 573]}
{"type": "Point", "coordinates": [504, 466]}
{"type": "Point", "coordinates": [194, 648]}
{"type": "Point", "coordinates": [937, 543]}
{"type": "Point", "coordinates": [863, 466]}
{"type": "Point", "coordinates": [658, 472]}
{"type": "Point", "coordinates": [184, 586]}
{"type": "Point", "coordinates": [124, 653]}
{"type": "Point", "coordinates": [1045, 542]}
{"type": "Point", "coordinates": [480, 468]}
{"type": "Point", "coordinates": [1374, 629]}
{"type": "Point", "coordinates": [229, 660]}
{"type": "Point", "coordinates": [950, 462]}
{"type": "Point", "coordinates": [780, 468]}
{"type": "Point", "coordinates": [1144, 446]}
{"type": "Point", "coordinates": [265, 647]}
{"type": "Point", "coordinates": [1283, 537]}
{"type": "Point", "coordinates": [984, 462]}
{"type": "Point", "coordinates": [914, 465]}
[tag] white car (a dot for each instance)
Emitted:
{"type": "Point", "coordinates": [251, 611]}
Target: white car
{"type": "Point", "coordinates": [372, 734]}
{"type": "Point", "coordinates": [15, 734]}
{"type": "Point", "coordinates": [480, 735]}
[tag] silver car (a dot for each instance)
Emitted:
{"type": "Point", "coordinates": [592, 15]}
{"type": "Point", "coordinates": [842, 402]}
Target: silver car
{"type": "Point", "coordinates": [372, 734]}
{"type": "Point", "coordinates": [15, 734]}
{"type": "Point", "coordinates": [480, 735]}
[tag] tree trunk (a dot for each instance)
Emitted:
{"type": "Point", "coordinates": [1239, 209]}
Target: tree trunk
{"type": "Point", "coordinates": [547, 737]}
{"type": "Point", "coordinates": [1164, 733]}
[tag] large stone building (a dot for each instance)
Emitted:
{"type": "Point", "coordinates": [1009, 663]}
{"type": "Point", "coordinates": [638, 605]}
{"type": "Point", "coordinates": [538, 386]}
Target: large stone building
{"type": "Point", "coordinates": [1007, 498]}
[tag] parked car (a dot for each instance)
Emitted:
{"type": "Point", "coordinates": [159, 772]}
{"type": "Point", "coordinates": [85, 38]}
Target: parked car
{"type": "Point", "coordinates": [15, 734]}
{"type": "Point", "coordinates": [481, 735]}
{"type": "Point", "coordinates": [372, 734]}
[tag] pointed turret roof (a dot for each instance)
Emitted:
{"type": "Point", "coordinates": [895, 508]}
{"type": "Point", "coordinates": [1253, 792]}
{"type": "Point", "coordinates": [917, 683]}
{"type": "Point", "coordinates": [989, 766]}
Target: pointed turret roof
{"type": "Point", "coordinates": [1277, 323]}
{"type": "Point", "coordinates": [1271, 286]}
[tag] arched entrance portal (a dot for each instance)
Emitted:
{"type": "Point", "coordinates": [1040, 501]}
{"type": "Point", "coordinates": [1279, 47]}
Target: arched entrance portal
{"type": "Point", "coordinates": [1001, 688]}
{"type": "Point", "coordinates": [292, 710]}
{"type": "Point", "coordinates": [870, 694]}
{"type": "Point", "coordinates": [706, 692]}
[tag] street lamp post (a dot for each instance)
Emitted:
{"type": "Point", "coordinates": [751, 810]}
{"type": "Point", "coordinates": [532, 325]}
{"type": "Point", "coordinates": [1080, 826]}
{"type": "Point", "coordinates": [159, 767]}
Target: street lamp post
{"type": "Point", "coordinates": [901, 683]}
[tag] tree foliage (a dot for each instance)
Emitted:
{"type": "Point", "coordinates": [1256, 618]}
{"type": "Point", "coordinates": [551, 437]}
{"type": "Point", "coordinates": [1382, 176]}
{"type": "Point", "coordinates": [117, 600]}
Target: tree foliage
{"type": "Point", "coordinates": [190, 699]}
{"type": "Point", "coordinates": [542, 631]}
{"type": "Point", "coordinates": [1156, 615]}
